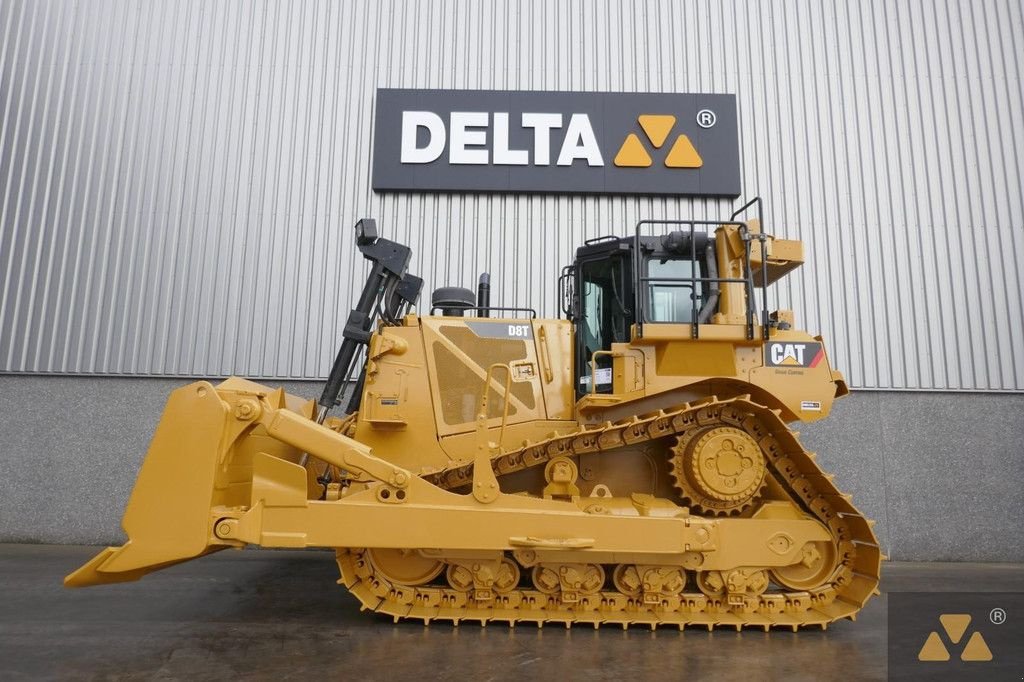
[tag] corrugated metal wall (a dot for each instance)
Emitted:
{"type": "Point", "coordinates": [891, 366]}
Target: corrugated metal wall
{"type": "Point", "coordinates": [179, 179]}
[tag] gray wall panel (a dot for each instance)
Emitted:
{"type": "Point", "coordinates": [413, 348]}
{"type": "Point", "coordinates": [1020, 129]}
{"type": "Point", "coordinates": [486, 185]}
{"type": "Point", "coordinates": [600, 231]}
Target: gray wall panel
{"type": "Point", "coordinates": [178, 180]}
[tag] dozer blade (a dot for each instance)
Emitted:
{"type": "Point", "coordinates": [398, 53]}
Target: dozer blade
{"type": "Point", "coordinates": [168, 514]}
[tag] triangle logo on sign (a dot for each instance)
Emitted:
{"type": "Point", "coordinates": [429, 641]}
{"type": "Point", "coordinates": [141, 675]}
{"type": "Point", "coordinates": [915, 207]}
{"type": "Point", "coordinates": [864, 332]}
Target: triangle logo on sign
{"type": "Point", "coordinates": [632, 153]}
{"type": "Point", "coordinates": [657, 127]}
{"type": "Point", "coordinates": [683, 154]}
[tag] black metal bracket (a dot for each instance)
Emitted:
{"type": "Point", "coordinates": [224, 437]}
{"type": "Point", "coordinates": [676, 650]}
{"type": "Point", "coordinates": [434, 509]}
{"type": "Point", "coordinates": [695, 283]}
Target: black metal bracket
{"type": "Point", "coordinates": [390, 261]}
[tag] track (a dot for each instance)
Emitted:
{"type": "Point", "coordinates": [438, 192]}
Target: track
{"type": "Point", "coordinates": [841, 595]}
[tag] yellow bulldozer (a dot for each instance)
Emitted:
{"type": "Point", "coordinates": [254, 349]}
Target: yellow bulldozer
{"type": "Point", "coordinates": [629, 462]}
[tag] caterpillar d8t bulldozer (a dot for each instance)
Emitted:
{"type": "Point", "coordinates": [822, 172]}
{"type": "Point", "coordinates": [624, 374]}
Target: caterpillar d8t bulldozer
{"type": "Point", "coordinates": [627, 463]}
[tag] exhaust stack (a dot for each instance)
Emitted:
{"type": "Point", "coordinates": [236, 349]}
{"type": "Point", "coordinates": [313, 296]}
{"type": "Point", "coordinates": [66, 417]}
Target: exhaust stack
{"type": "Point", "coordinates": [483, 295]}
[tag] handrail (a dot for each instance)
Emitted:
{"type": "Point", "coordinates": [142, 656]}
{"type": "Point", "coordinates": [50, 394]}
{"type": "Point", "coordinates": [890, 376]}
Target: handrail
{"type": "Point", "coordinates": [747, 280]}
{"type": "Point", "coordinates": [744, 207]}
{"type": "Point", "coordinates": [682, 281]}
{"type": "Point", "coordinates": [545, 353]}
{"type": "Point", "coordinates": [532, 311]}
{"type": "Point", "coordinates": [690, 281]}
{"type": "Point", "coordinates": [762, 238]}
{"type": "Point", "coordinates": [481, 415]}
{"type": "Point", "coordinates": [565, 290]}
{"type": "Point", "coordinates": [593, 370]}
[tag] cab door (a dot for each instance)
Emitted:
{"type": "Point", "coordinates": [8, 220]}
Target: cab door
{"type": "Point", "coordinates": [604, 314]}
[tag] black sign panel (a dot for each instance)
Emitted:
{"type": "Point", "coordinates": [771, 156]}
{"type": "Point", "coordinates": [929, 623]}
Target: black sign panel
{"type": "Point", "coordinates": [565, 142]}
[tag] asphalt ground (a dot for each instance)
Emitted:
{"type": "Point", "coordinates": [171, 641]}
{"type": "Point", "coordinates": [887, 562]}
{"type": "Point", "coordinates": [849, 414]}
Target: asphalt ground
{"type": "Point", "coordinates": [279, 615]}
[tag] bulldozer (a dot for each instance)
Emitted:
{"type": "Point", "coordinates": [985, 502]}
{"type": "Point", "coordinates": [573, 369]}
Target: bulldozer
{"type": "Point", "coordinates": [629, 462]}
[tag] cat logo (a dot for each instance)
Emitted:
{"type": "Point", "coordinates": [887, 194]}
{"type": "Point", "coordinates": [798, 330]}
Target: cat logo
{"type": "Point", "coordinates": [780, 354]}
{"type": "Point", "coordinates": [955, 625]}
{"type": "Point", "coordinates": [656, 127]}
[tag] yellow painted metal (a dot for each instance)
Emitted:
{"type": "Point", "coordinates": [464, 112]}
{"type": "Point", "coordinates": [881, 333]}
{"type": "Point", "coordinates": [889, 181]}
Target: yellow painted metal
{"type": "Point", "coordinates": [471, 485]}
{"type": "Point", "coordinates": [783, 256]}
{"type": "Point", "coordinates": [554, 345]}
{"type": "Point", "coordinates": [729, 252]}
{"type": "Point", "coordinates": [396, 409]}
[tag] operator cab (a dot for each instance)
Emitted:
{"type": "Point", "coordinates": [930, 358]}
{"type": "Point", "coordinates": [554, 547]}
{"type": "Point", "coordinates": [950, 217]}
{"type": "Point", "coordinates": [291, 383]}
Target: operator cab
{"type": "Point", "coordinates": [608, 279]}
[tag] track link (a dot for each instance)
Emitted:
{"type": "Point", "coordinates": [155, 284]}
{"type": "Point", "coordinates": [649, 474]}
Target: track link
{"type": "Point", "coordinates": [853, 582]}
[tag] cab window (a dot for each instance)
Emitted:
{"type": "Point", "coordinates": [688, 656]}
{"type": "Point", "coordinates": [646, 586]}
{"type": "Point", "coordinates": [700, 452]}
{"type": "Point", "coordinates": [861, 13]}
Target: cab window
{"type": "Point", "coordinates": [673, 301]}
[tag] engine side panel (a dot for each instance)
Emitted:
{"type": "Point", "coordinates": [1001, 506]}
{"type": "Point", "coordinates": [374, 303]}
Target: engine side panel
{"type": "Point", "coordinates": [396, 417]}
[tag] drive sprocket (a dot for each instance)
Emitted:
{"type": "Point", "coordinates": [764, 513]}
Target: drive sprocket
{"type": "Point", "coordinates": [719, 470]}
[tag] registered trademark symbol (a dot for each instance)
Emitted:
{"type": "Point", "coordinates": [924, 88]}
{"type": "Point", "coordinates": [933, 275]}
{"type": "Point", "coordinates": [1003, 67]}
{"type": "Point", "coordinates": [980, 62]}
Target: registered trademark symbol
{"type": "Point", "coordinates": [706, 118]}
{"type": "Point", "coordinates": [997, 616]}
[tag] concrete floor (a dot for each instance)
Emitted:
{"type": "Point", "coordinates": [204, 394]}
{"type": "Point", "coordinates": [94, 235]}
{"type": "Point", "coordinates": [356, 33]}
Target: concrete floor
{"type": "Point", "coordinates": [274, 615]}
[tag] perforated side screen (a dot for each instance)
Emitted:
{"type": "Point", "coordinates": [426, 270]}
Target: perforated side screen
{"type": "Point", "coordinates": [460, 386]}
